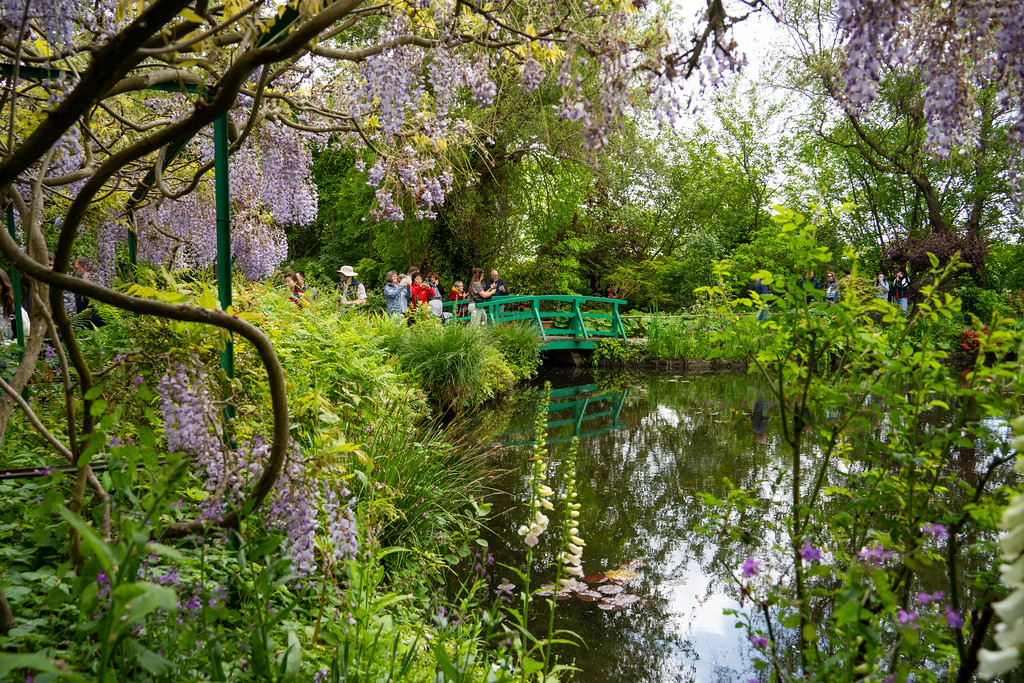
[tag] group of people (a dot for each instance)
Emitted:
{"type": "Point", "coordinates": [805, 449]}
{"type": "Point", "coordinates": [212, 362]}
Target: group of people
{"type": "Point", "coordinates": [412, 291]}
{"type": "Point", "coordinates": [898, 291]}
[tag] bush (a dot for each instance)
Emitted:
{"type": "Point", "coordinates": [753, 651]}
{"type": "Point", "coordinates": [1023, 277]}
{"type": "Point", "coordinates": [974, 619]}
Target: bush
{"type": "Point", "coordinates": [520, 344]}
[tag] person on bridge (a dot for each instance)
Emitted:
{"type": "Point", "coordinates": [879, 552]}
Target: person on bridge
{"type": "Point", "coordinates": [478, 294]}
{"type": "Point", "coordinates": [500, 288]}
{"type": "Point", "coordinates": [458, 293]}
{"type": "Point", "coordinates": [422, 292]}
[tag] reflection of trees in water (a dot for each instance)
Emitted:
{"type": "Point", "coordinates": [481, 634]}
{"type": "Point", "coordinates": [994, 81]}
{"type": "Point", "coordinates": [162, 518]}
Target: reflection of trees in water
{"type": "Point", "coordinates": [681, 436]}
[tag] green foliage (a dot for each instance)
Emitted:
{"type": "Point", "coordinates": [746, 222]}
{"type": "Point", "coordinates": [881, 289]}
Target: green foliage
{"type": "Point", "coordinates": [675, 338]}
{"type": "Point", "coordinates": [855, 552]}
{"type": "Point", "coordinates": [454, 363]}
{"type": "Point", "coordinates": [609, 350]}
{"type": "Point", "coordinates": [519, 343]}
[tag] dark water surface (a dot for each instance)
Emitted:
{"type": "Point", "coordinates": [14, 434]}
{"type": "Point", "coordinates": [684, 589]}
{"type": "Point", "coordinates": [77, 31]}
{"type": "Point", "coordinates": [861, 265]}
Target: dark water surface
{"type": "Point", "coordinates": [648, 446]}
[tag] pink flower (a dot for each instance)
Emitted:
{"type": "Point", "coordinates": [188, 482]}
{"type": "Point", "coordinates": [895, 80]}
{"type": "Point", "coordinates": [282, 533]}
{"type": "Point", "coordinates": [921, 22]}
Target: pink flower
{"type": "Point", "coordinates": [759, 641]}
{"type": "Point", "coordinates": [924, 598]}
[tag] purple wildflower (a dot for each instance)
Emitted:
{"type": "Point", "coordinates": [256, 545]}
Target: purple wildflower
{"type": "Point", "coordinates": [878, 554]}
{"type": "Point", "coordinates": [939, 532]}
{"type": "Point", "coordinates": [810, 553]}
{"type": "Point", "coordinates": [750, 568]}
{"type": "Point", "coordinates": [759, 641]}
{"type": "Point", "coordinates": [953, 617]}
{"type": "Point", "coordinates": [139, 379]}
{"type": "Point", "coordinates": [906, 617]}
{"type": "Point", "coordinates": [925, 598]}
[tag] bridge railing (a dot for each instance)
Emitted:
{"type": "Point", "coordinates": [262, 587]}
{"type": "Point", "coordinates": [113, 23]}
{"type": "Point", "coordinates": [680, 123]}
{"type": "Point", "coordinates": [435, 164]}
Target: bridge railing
{"type": "Point", "coordinates": [549, 308]}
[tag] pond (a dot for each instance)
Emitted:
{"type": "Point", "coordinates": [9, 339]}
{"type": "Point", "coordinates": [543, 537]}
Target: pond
{"type": "Point", "coordinates": [649, 446]}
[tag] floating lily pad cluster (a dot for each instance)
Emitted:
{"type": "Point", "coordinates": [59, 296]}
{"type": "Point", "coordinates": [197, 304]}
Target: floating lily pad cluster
{"type": "Point", "coordinates": [608, 590]}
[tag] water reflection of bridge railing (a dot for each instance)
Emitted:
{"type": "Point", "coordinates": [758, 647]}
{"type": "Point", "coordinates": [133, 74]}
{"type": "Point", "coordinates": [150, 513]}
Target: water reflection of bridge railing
{"type": "Point", "coordinates": [583, 404]}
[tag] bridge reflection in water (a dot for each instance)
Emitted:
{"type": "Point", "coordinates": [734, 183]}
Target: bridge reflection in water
{"type": "Point", "coordinates": [580, 411]}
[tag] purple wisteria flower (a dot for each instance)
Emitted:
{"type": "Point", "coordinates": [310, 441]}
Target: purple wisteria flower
{"type": "Point", "coordinates": [758, 641]}
{"type": "Point", "coordinates": [878, 554]}
{"type": "Point", "coordinates": [750, 567]}
{"type": "Point", "coordinates": [139, 379]}
{"type": "Point", "coordinates": [810, 553]}
{"type": "Point", "coordinates": [925, 598]}
{"type": "Point", "coordinates": [953, 617]}
{"type": "Point", "coordinates": [939, 532]}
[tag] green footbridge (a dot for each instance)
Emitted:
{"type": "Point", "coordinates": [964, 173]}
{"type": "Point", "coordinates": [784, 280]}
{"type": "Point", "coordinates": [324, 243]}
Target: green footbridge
{"type": "Point", "coordinates": [572, 323]}
{"type": "Point", "coordinates": [583, 411]}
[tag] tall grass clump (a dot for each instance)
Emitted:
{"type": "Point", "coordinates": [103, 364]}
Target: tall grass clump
{"type": "Point", "coordinates": [451, 362]}
{"type": "Point", "coordinates": [520, 344]}
{"type": "Point", "coordinates": [426, 479]}
{"type": "Point", "coordinates": [671, 338]}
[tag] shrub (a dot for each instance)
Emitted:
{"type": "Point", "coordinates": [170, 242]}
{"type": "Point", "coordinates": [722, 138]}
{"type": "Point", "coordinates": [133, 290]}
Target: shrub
{"type": "Point", "coordinates": [520, 344]}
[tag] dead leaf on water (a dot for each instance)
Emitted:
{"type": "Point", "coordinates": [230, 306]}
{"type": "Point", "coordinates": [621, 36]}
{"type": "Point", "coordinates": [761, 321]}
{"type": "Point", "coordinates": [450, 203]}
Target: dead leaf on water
{"type": "Point", "coordinates": [622, 575]}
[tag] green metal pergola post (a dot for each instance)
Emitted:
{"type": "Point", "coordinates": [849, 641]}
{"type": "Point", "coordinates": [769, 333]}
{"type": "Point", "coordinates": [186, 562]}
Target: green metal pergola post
{"type": "Point", "coordinates": [223, 194]}
{"type": "Point", "coordinates": [19, 327]}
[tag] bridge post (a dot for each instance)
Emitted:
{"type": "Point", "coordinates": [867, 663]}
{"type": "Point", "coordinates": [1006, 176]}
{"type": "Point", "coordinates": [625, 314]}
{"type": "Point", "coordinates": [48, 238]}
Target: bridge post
{"type": "Point", "coordinates": [535, 308]}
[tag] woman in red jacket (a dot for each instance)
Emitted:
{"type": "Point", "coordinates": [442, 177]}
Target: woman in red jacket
{"type": "Point", "coordinates": [422, 292]}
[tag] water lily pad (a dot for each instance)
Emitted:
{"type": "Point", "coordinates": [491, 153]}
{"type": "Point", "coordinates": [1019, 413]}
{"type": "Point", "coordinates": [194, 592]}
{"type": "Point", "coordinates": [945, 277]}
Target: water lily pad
{"type": "Point", "coordinates": [608, 606]}
{"type": "Point", "coordinates": [610, 589]}
{"type": "Point", "coordinates": [623, 599]}
{"type": "Point", "coordinates": [546, 590]}
{"type": "Point", "coordinates": [595, 578]}
{"type": "Point", "coordinates": [573, 585]}
{"type": "Point", "coordinates": [622, 575]}
{"type": "Point", "coordinates": [589, 596]}
{"type": "Point", "coordinates": [633, 564]}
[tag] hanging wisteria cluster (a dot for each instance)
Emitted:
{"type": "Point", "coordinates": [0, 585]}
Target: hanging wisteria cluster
{"type": "Point", "coordinates": [305, 506]}
{"type": "Point", "coordinates": [270, 183]}
{"type": "Point", "coordinates": [956, 48]}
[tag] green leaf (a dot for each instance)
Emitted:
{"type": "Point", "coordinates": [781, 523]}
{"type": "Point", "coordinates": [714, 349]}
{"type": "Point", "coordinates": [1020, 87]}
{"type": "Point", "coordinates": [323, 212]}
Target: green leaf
{"type": "Point", "coordinates": [92, 539]}
{"type": "Point", "coordinates": [291, 663]}
{"type": "Point", "coordinates": [810, 633]}
{"type": "Point", "coordinates": [150, 598]}
{"type": "Point", "coordinates": [151, 661]}
{"type": "Point", "coordinates": [36, 662]}
{"type": "Point", "coordinates": [98, 407]}
{"type": "Point", "coordinates": [93, 393]}
{"type": "Point", "coordinates": [445, 663]}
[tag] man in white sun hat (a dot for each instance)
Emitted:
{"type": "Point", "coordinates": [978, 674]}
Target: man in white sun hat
{"type": "Point", "coordinates": [352, 291]}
